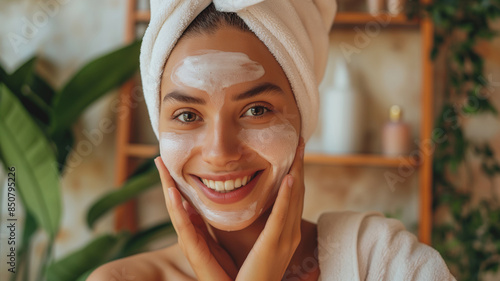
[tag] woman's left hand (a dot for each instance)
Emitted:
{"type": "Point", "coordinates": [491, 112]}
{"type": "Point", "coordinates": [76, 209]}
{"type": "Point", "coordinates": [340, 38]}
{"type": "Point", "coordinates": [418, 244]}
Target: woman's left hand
{"type": "Point", "coordinates": [276, 245]}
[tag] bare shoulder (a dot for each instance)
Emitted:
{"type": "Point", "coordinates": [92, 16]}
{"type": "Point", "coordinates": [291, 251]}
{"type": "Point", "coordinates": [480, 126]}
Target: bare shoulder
{"type": "Point", "coordinates": [161, 265]}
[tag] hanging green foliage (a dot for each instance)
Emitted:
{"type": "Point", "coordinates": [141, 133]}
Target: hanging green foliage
{"type": "Point", "coordinates": [470, 240]}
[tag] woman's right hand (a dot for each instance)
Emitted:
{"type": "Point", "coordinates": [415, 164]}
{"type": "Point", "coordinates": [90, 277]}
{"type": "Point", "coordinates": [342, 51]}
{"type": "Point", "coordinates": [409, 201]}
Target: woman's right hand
{"type": "Point", "coordinates": [207, 258]}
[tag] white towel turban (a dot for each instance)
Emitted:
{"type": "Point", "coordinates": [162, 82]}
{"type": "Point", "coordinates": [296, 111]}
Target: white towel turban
{"type": "Point", "coordinates": [295, 31]}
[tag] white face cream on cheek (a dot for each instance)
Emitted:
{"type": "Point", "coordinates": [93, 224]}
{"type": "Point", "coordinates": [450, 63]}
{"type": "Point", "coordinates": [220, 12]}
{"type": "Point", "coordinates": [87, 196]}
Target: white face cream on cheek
{"type": "Point", "coordinates": [175, 150]}
{"type": "Point", "coordinates": [212, 71]}
{"type": "Point", "coordinates": [277, 144]}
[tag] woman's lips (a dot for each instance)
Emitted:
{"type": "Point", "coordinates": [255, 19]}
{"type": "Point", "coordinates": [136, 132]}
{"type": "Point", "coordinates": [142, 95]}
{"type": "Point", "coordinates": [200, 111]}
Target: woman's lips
{"type": "Point", "coordinates": [231, 196]}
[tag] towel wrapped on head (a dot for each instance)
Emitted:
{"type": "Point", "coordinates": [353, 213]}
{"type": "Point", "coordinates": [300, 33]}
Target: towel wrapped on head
{"type": "Point", "coordinates": [296, 32]}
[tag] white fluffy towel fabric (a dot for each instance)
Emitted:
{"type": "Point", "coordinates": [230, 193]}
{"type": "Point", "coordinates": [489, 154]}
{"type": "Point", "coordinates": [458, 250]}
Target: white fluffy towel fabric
{"type": "Point", "coordinates": [295, 31]}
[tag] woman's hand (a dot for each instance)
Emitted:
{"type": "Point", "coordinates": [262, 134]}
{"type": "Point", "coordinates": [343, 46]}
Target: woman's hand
{"type": "Point", "coordinates": [271, 253]}
{"type": "Point", "coordinates": [208, 260]}
{"type": "Point", "coordinates": [273, 250]}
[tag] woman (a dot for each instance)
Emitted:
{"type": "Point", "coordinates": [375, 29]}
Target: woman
{"type": "Point", "coordinates": [232, 111]}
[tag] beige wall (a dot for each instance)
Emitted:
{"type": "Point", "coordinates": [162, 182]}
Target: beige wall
{"type": "Point", "coordinates": [81, 30]}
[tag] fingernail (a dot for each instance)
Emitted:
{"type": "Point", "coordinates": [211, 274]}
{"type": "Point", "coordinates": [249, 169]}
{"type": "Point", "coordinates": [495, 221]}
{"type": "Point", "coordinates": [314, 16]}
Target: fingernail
{"type": "Point", "coordinates": [290, 180]}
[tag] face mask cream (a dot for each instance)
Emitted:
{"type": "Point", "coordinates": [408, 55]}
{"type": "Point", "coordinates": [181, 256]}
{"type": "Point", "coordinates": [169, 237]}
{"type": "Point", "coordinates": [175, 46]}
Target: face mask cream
{"type": "Point", "coordinates": [213, 71]}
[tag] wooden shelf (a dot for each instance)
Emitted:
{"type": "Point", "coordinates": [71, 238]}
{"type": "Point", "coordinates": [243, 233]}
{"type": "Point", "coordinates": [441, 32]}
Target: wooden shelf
{"type": "Point", "coordinates": [142, 16]}
{"type": "Point", "coordinates": [142, 150]}
{"type": "Point", "coordinates": [344, 18]}
{"type": "Point", "coordinates": [356, 160]}
{"type": "Point", "coordinates": [126, 218]}
{"type": "Point", "coordinates": [350, 18]}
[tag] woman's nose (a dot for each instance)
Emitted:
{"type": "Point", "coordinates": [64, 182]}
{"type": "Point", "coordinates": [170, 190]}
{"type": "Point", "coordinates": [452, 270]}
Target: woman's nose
{"type": "Point", "coordinates": [221, 146]}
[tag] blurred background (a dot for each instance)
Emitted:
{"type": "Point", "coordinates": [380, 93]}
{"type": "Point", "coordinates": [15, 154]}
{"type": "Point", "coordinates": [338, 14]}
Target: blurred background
{"type": "Point", "coordinates": [408, 127]}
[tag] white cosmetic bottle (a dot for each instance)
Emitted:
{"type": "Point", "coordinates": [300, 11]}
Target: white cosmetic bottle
{"type": "Point", "coordinates": [375, 7]}
{"type": "Point", "coordinates": [396, 7]}
{"type": "Point", "coordinates": [342, 110]}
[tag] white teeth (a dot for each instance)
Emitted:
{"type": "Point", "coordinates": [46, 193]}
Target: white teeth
{"type": "Point", "coordinates": [227, 186]}
{"type": "Point", "coordinates": [237, 183]}
{"type": "Point", "coordinates": [219, 185]}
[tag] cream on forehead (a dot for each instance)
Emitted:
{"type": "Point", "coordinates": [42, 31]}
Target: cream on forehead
{"type": "Point", "coordinates": [212, 71]}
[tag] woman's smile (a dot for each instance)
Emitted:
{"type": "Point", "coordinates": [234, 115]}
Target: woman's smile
{"type": "Point", "coordinates": [228, 189]}
{"type": "Point", "coordinates": [227, 182]}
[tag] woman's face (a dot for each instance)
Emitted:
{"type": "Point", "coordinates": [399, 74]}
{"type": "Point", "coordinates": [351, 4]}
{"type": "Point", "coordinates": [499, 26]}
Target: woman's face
{"type": "Point", "coordinates": [229, 125]}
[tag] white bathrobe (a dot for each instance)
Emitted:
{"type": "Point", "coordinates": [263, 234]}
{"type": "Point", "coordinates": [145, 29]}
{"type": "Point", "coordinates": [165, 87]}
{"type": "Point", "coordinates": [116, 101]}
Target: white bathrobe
{"type": "Point", "coordinates": [367, 246]}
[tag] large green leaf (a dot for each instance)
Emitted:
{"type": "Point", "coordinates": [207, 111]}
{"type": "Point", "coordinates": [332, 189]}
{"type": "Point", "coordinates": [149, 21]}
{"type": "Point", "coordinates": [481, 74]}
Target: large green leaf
{"type": "Point", "coordinates": [22, 74]}
{"type": "Point", "coordinates": [86, 275]}
{"type": "Point", "coordinates": [41, 88]}
{"type": "Point", "coordinates": [138, 183]}
{"type": "Point", "coordinates": [31, 90]}
{"type": "Point", "coordinates": [3, 75]}
{"type": "Point", "coordinates": [103, 249]}
{"type": "Point", "coordinates": [25, 147]}
{"type": "Point", "coordinates": [92, 82]}
{"type": "Point", "coordinates": [63, 144]}
{"type": "Point", "coordinates": [139, 241]}
{"type": "Point", "coordinates": [29, 229]}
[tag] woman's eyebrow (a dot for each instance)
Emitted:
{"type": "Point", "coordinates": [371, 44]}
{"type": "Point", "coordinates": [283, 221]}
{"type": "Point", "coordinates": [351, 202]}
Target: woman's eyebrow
{"type": "Point", "coordinates": [182, 97]}
{"type": "Point", "coordinates": [264, 88]}
{"type": "Point", "coordinates": [260, 89]}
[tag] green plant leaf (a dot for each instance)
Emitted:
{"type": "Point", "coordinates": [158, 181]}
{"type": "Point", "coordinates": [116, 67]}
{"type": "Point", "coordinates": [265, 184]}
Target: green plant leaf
{"type": "Point", "coordinates": [22, 74]}
{"type": "Point", "coordinates": [23, 83]}
{"type": "Point", "coordinates": [84, 276]}
{"type": "Point", "coordinates": [41, 88]}
{"type": "Point", "coordinates": [24, 146]}
{"type": "Point", "coordinates": [140, 240]}
{"type": "Point", "coordinates": [103, 249]}
{"type": "Point", "coordinates": [30, 227]}
{"type": "Point", "coordinates": [145, 167]}
{"type": "Point", "coordinates": [92, 82]}
{"type": "Point", "coordinates": [137, 184]}
{"type": "Point", "coordinates": [3, 75]}
{"type": "Point", "coordinates": [64, 143]}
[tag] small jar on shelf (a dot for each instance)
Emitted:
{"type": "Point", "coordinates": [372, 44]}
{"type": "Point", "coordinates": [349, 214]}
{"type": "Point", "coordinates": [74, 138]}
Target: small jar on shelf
{"type": "Point", "coordinates": [396, 134]}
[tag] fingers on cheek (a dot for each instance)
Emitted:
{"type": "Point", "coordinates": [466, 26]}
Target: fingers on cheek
{"type": "Point", "coordinates": [194, 217]}
{"type": "Point", "coordinates": [282, 204]}
{"type": "Point", "coordinates": [159, 166]}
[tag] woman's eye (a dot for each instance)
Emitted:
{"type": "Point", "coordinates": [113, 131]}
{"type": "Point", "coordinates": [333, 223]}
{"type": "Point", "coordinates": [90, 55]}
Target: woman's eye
{"type": "Point", "coordinates": [187, 117]}
{"type": "Point", "coordinates": [256, 111]}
